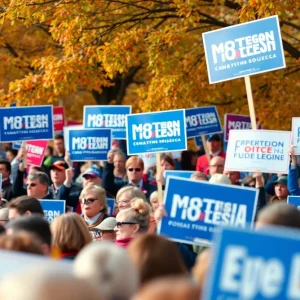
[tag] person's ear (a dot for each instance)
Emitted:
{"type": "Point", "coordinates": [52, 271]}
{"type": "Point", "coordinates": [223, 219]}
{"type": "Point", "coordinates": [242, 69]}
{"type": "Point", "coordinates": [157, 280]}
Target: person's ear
{"type": "Point", "coordinates": [136, 228]}
{"type": "Point", "coordinates": [27, 213]}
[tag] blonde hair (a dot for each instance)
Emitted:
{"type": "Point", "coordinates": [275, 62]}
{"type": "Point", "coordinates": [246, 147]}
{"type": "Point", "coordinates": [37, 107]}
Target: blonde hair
{"type": "Point", "coordinates": [135, 193]}
{"type": "Point", "coordinates": [70, 233]}
{"type": "Point", "coordinates": [134, 160]}
{"type": "Point", "coordinates": [199, 176]}
{"type": "Point", "coordinates": [155, 195]}
{"type": "Point", "coordinates": [99, 191]}
{"type": "Point", "coordinates": [139, 213]}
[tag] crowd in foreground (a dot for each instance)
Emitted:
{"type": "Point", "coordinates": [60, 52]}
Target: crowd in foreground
{"type": "Point", "coordinates": [117, 255]}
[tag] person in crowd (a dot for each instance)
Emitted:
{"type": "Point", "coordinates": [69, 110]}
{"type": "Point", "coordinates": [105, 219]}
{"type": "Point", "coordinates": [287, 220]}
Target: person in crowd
{"type": "Point", "coordinates": [155, 257]}
{"type": "Point", "coordinates": [92, 175]}
{"type": "Point", "coordinates": [34, 224]}
{"type": "Point", "coordinates": [280, 214]}
{"type": "Point", "coordinates": [281, 190]}
{"type": "Point", "coordinates": [216, 165]}
{"type": "Point", "coordinates": [219, 178]}
{"type": "Point", "coordinates": [199, 176]}
{"type": "Point", "coordinates": [293, 176]}
{"type": "Point", "coordinates": [109, 268]}
{"type": "Point", "coordinates": [48, 156]}
{"type": "Point", "coordinates": [69, 235]}
{"type": "Point", "coordinates": [249, 181]}
{"type": "Point", "coordinates": [134, 170]}
{"type": "Point", "coordinates": [12, 158]}
{"type": "Point", "coordinates": [188, 160]}
{"type": "Point", "coordinates": [174, 287]}
{"type": "Point", "coordinates": [44, 284]}
{"type": "Point", "coordinates": [22, 242]}
{"type": "Point", "coordinates": [11, 154]}
{"type": "Point", "coordinates": [154, 201]}
{"type": "Point", "coordinates": [4, 216]}
{"type": "Point", "coordinates": [126, 194]}
{"type": "Point", "coordinates": [38, 186]}
{"type": "Point", "coordinates": [132, 221]}
{"type": "Point", "coordinates": [233, 176]}
{"type": "Point", "coordinates": [24, 205]}
{"type": "Point", "coordinates": [105, 230]}
{"type": "Point", "coordinates": [214, 146]}
{"type": "Point", "coordinates": [93, 205]}
{"type": "Point", "coordinates": [119, 161]}
{"type": "Point", "coordinates": [58, 149]}
{"type": "Point", "coordinates": [5, 171]}
{"type": "Point", "coordinates": [166, 164]}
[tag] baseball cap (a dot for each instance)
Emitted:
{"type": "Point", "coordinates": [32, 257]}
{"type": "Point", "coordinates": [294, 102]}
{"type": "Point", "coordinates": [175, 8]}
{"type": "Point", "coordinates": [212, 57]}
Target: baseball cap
{"type": "Point", "coordinates": [93, 171]}
{"type": "Point", "coordinates": [214, 137]}
{"type": "Point", "coordinates": [281, 180]}
{"type": "Point", "coordinates": [60, 165]}
{"type": "Point", "coordinates": [107, 224]}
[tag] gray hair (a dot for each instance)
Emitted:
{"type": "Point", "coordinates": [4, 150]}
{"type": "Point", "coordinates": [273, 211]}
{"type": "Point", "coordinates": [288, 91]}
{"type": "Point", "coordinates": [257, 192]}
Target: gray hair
{"type": "Point", "coordinates": [120, 153]}
{"type": "Point", "coordinates": [41, 176]}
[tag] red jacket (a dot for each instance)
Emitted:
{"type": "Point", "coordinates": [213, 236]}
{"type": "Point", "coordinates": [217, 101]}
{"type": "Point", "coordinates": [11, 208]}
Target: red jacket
{"type": "Point", "coordinates": [202, 163]}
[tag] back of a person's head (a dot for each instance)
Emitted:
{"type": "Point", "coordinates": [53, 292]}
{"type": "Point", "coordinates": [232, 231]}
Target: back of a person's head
{"type": "Point", "coordinates": [219, 179]}
{"type": "Point", "coordinates": [169, 288]}
{"type": "Point", "coordinates": [25, 204]}
{"type": "Point", "coordinates": [43, 284]}
{"type": "Point", "coordinates": [22, 242]}
{"type": "Point", "coordinates": [70, 233]}
{"type": "Point", "coordinates": [280, 214]}
{"type": "Point", "coordinates": [35, 224]}
{"type": "Point", "coordinates": [155, 256]}
{"type": "Point", "coordinates": [109, 268]}
{"type": "Point", "coordinates": [4, 214]}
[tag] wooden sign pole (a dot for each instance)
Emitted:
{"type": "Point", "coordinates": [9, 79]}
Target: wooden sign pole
{"type": "Point", "coordinates": [250, 102]}
{"type": "Point", "coordinates": [205, 148]}
{"type": "Point", "coordinates": [159, 184]}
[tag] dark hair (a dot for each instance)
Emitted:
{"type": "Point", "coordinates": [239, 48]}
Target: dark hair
{"type": "Point", "coordinates": [35, 224]}
{"type": "Point", "coordinates": [38, 169]}
{"type": "Point", "coordinates": [2, 229]}
{"type": "Point", "coordinates": [168, 159]}
{"type": "Point", "coordinates": [186, 160]}
{"type": "Point", "coordinates": [13, 151]}
{"type": "Point", "coordinates": [50, 150]}
{"type": "Point", "coordinates": [155, 257]}
{"type": "Point", "coordinates": [7, 164]}
{"type": "Point", "coordinates": [58, 137]}
{"type": "Point", "coordinates": [26, 203]}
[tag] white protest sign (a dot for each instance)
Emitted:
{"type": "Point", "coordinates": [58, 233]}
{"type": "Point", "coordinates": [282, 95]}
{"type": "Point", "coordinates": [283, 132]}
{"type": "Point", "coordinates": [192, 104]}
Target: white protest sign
{"type": "Point", "coordinates": [296, 135]}
{"type": "Point", "coordinates": [258, 151]}
{"type": "Point", "coordinates": [149, 159]}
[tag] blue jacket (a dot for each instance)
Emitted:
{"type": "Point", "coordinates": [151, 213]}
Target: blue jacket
{"type": "Point", "coordinates": [293, 186]}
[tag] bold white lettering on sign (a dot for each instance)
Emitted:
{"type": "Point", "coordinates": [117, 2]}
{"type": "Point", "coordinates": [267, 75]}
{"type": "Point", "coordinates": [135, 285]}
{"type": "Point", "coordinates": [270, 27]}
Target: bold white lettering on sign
{"type": "Point", "coordinates": [106, 120]}
{"type": "Point", "coordinates": [91, 143]}
{"type": "Point", "coordinates": [34, 149]}
{"type": "Point", "coordinates": [58, 117]}
{"type": "Point", "coordinates": [25, 122]}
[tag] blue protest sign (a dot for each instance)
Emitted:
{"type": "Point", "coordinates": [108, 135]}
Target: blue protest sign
{"type": "Point", "coordinates": [89, 144]}
{"type": "Point", "coordinates": [16, 145]}
{"type": "Point", "coordinates": [198, 141]}
{"type": "Point", "coordinates": [107, 116]}
{"type": "Point", "coordinates": [295, 200]}
{"type": "Point", "coordinates": [202, 121]}
{"type": "Point", "coordinates": [156, 132]}
{"type": "Point", "coordinates": [110, 206]}
{"type": "Point", "coordinates": [182, 174]}
{"type": "Point", "coordinates": [255, 265]}
{"type": "Point", "coordinates": [26, 123]}
{"type": "Point", "coordinates": [53, 208]}
{"type": "Point", "coordinates": [244, 49]}
{"type": "Point", "coordinates": [195, 209]}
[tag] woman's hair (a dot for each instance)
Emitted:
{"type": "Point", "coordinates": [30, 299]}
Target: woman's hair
{"type": "Point", "coordinates": [135, 193]}
{"type": "Point", "coordinates": [168, 159]}
{"type": "Point", "coordinates": [21, 241]}
{"type": "Point", "coordinates": [199, 175]}
{"type": "Point", "coordinates": [155, 195]}
{"type": "Point", "coordinates": [70, 233]}
{"type": "Point", "coordinates": [99, 191]}
{"type": "Point", "coordinates": [134, 160]}
{"type": "Point", "coordinates": [155, 256]}
{"type": "Point", "coordinates": [139, 213]}
{"type": "Point", "coordinates": [105, 265]}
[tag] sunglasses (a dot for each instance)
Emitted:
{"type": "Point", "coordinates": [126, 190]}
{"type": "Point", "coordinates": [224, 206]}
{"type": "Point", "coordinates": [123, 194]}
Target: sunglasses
{"type": "Point", "coordinates": [87, 201]}
{"type": "Point", "coordinates": [134, 169]}
{"type": "Point", "coordinates": [119, 224]}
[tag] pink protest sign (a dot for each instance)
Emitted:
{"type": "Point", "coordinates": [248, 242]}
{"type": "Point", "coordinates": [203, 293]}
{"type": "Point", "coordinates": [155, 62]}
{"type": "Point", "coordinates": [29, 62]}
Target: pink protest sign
{"type": "Point", "coordinates": [36, 152]}
{"type": "Point", "coordinates": [58, 118]}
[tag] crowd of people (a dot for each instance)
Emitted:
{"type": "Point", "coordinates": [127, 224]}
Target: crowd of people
{"type": "Point", "coordinates": [117, 256]}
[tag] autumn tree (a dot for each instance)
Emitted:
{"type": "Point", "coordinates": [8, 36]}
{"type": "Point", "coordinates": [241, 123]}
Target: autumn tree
{"type": "Point", "coordinates": [147, 53]}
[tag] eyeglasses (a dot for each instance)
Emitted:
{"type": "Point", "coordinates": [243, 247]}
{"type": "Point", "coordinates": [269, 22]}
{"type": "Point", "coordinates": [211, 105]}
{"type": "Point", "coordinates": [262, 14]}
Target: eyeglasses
{"type": "Point", "coordinates": [88, 201]}
{"type": "Point", "coordinates": [119, 224]}
{"type": "Point", "coordinates": [134, 169]}
{"type": "Point", "coordinates": [216, 166]}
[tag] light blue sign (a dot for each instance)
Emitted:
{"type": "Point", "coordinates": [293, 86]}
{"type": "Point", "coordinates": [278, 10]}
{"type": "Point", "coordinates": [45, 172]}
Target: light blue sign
{"type": "Point", "coordinates": [244, 49]}
{"type": "Point", "coordinates": [295, 200]}
{"type": "Point", "coordinates": [182, 174]}
{"type": "Point", "coordinates": [195, 209]}
{"type": "Point", "coordinates": [156, 132]}
{"type": "Point", "coordinates": [255, 265]}
{"type": "Point", "coordinates": [53, 208]}
{"type": "Point", "coordinates": [26, 123]}
{"type": "Point", "coordinates": [107, 116]}
{"type": "Point", "coordinates": [89, 144]}
{"type": "Point", "coordinates": [16, 145]}
{"type": "Point", "coordinates": [110, 206]}
{"type": "Point", "coordinates": [202, 121]}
